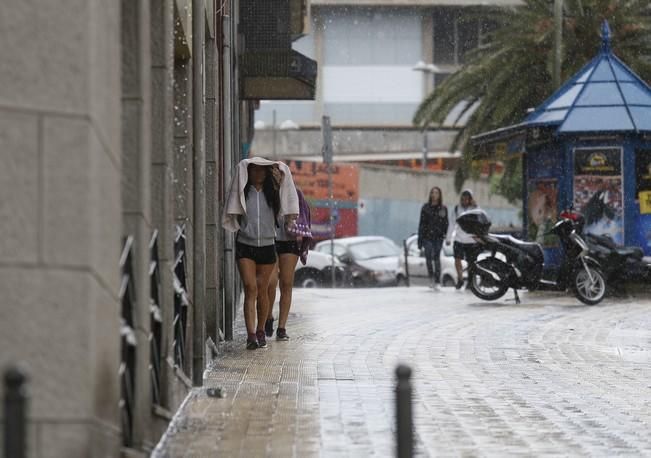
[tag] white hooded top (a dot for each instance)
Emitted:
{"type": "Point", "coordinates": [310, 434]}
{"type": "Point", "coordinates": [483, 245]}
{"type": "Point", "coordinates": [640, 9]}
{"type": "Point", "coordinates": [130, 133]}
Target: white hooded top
{"type": "Point", "coordinates": [457, 234]}
{"type": "Point", "coordinates": [235, 202]}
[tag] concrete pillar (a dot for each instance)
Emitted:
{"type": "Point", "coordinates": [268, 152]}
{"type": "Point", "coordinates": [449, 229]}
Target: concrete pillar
{"type": "Point", "coordinates": [319, 54]}
{"type": "Point", "coordinates": [136, 192]}
{"type": "Point", "coordinates": [213, 226]}
{"type": "Point", "coordinates": [162, 201]}
{"type": "Point", "coordinates": [198, 189]}
{"type": "Point", "coordinates": [60, 236]}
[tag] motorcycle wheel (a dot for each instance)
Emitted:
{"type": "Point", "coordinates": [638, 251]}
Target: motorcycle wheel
{"type": "Point", "coordinates": [486, 287]}
{"type": "Point", "coordinates": [589, 292]}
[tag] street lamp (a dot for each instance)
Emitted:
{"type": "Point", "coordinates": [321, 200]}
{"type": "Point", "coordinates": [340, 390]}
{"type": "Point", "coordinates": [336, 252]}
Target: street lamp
{"type": "Point", "coordinates": [427, 69]}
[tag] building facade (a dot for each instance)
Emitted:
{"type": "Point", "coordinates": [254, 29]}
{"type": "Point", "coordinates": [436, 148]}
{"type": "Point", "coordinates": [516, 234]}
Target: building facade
{"type": "Point", "coordinates": [119, 127]}
{"type": "Point", "coordinates": [378, 61]}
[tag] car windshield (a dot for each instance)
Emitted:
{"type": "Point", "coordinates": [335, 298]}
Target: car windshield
{"type": "Point", "coordinates": [373, 249]}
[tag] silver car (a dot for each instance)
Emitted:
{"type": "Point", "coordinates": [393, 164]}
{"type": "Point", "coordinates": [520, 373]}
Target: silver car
{"type": "Point", "coordinates": [369, 260]}
{"type": "Point", "coordinates": [418, 269]}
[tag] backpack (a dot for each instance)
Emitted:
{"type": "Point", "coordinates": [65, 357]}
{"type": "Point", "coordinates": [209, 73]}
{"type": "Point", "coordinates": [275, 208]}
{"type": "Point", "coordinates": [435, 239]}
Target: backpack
{"type": "Point", "coordinates": [302, 227]}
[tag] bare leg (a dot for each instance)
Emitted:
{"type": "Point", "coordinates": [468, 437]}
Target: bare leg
{"type": "Point", "coordinates": [458, 266]}
{"type": "Point", "coordinates": [271, 291]}
{"type": "Point", "coordinates": [263, 272]}
{"type": "Point", "coordinates": [247, 269]}
{"type": "Point", "coordinates": [286, 266]}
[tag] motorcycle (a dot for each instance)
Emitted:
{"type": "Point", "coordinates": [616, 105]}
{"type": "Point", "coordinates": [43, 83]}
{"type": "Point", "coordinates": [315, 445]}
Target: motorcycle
{"type": "Point", "coordinates": [620, 263]}
{"type": "Point", "coordinates": [490, 277]}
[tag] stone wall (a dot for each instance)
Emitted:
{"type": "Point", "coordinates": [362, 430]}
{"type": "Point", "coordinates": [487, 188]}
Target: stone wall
{"type": "Point", "coordinates": [391, 199]}
{"type": "Point", "coordinates": [59, 247]}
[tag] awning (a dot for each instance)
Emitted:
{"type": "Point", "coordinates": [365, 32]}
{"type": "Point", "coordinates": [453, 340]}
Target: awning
{"type": "Point", "coordinates": [277, 75]}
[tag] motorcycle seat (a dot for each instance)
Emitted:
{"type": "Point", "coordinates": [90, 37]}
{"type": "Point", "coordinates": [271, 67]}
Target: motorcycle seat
{"type": "Point", "coordinates": [532, 248]}
{"type": "Point", "coordinates": [634, 252]}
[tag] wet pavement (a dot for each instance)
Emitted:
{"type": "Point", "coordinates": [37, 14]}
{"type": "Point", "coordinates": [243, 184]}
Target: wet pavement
{"type": "Point", "coordinates": [547, 377]}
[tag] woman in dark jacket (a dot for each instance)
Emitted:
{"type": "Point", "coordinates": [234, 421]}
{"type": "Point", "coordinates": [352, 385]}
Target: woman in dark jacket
{"type": "Point", "coordinates": [432, 229]}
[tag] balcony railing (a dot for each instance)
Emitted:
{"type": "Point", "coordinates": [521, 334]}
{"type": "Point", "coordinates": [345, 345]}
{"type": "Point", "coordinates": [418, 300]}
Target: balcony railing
{"type": "Point", "coordinates": [181, 301]}
{"type": "Point", "coordinates": [155, 321]}
{"type": "Point", "coordinates": [127, 371]}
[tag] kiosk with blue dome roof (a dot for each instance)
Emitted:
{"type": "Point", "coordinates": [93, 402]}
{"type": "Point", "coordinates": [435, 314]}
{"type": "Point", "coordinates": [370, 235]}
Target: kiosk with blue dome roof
{"type": "Point", "coordinates": [587, 146]}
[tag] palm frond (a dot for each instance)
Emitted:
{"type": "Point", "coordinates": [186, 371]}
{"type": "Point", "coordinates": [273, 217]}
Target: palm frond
{"type": "Point", "coordinates": [511, 71]}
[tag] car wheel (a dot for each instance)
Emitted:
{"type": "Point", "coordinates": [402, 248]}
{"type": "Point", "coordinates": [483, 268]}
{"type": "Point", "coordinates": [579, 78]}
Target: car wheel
{"type": "Point", "coordinates": [447, 280]}
{"type": "Point", "coordinates": [307, 278]}
{"type": "Point", "coordinates": [401, 280]}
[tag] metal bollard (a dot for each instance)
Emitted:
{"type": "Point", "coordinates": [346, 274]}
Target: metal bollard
{"type": "Point", "coordinates": [406, 255]}
{"type": "Point", "coordinates": [15, 414]}
{"type": "Point", "coordinates": [405, 446]}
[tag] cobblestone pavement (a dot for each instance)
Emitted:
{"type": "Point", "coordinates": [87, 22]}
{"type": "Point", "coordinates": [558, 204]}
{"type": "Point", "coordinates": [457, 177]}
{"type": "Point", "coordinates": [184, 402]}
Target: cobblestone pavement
{"type": "Point", "coordinates": [547, 377]}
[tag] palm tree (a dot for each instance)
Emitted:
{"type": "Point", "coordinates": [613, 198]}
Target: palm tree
{"type": "Point", "coordinates": [512, 71]}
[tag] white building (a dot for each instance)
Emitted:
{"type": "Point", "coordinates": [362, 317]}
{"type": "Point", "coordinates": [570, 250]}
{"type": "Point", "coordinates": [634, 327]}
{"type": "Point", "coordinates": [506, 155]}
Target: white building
{"type": "Point", "coordinates": [377, 61]}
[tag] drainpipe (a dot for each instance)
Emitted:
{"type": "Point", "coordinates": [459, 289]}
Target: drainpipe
{"type": "Point", "coordinates": [227, 105]}
{"type": "Point", "coordinates": [198, 190]}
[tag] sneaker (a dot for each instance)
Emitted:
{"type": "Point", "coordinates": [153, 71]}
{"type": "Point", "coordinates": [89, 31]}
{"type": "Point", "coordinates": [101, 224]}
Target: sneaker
{"type": "Point", "coordinates": [262, 341]}
{"type": "Point", "coordinates": [459, 284]}
{"type": "Point", "coordinates": [281, 334]}
{"type": "Point", "coordinates": [435, 287]}
{"type": "Point", "coordinates": [269, 327]}
{"type": "Point", "coordinates": [251, 345]}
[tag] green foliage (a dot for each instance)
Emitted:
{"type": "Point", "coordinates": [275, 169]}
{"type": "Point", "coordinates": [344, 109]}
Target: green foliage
{"type": "Point", "coordinates": [513, 70]}
{"type": "Point", "coordinates": [509, 183]}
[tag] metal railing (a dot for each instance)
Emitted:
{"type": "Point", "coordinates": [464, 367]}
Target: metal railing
{"type": "Point", "coordinates": [181, 301]}
{"type": "Point", "coordinates": [155, 320]}
{"type": "Point", "coordinates": [128, 342]}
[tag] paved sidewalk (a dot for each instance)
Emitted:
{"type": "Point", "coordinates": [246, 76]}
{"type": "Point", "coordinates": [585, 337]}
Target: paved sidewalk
{"type": "Point", "coordinates": [547, 377]}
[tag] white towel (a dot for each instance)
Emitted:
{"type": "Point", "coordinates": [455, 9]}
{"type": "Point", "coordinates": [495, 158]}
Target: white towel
{"type": "Point", "coordinates": [235, 202]}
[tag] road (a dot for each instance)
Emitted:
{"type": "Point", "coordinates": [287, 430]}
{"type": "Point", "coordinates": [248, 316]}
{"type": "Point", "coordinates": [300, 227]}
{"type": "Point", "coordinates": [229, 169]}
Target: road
{"type": "Point", "coordinates": [549, 376]}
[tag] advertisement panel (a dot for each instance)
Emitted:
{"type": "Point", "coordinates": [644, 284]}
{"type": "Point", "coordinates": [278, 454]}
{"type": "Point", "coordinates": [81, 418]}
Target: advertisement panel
{"type": "Point", "coordinates": [542, 199]}
{"type": "Point", "coordinates": [643, 177]}
{"type": "Point", "coordinates": [312, 178]}
{"type": "Point", "coordinates": [598, 190]}
{"type": "Point", "coordinates": [643, 194]}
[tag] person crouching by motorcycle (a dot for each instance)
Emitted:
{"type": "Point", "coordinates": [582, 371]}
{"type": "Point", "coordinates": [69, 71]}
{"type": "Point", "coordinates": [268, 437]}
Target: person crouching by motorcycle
{"type": "Point", "coordinates": [465, 246]}
{"type": "Point", "coordinates": [432, 229]}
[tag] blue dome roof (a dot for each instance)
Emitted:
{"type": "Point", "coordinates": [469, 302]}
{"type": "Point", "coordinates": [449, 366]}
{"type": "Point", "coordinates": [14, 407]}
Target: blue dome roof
{"type": "Point", "coordinates": [604, 96]}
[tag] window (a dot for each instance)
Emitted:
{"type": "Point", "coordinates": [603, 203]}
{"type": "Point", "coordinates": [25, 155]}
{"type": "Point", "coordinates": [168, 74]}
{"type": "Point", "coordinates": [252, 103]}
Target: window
{"type": "Point", "coordinates": [325, 248]}
{"type": "Point", "coordinates": [468, 33]}
{"type": "Point", "coordinates": [444, 37]}
{"type": "Point", "coordinates": [456, 32]}
{"type": "Point", "coordinates": [373, 249]}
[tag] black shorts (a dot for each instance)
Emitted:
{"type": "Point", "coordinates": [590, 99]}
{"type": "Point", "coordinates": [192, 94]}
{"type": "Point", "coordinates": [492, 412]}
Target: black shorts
{"type": "Point", "coordinates": [287, 247]}
{"type": "Point", "coordinates": [467, 251]}
{"type": "Point", "coordinates": [258, 254]}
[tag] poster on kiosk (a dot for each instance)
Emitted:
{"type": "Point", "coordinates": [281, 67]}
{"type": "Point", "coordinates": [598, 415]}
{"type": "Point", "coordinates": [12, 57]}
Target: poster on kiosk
{"type": "Point", "coordinates": [598, 191]}
{"type": "Point", "coordinates": [643, 194]}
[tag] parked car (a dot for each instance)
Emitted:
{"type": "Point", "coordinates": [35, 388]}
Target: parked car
{"type": "Point", "coordinates": [317, 271]}
{"type": "Point", "coordinates": [368, 260]}
{"type": "Point", "coordinates": [418, 269]}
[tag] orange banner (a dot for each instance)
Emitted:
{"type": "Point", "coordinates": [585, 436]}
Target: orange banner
{"type": "Point", "coordinates": [312, 178]}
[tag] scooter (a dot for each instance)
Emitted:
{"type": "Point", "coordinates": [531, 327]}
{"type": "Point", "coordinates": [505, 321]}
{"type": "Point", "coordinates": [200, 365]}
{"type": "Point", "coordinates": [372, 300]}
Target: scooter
{"type": "Point", "coordinates": [620, 263]}
{"type": "Point", "coordinates": [490, 278]}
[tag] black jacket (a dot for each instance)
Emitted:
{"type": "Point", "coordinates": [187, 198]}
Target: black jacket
{"type": "Point", "coordinates": [433, 224]}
